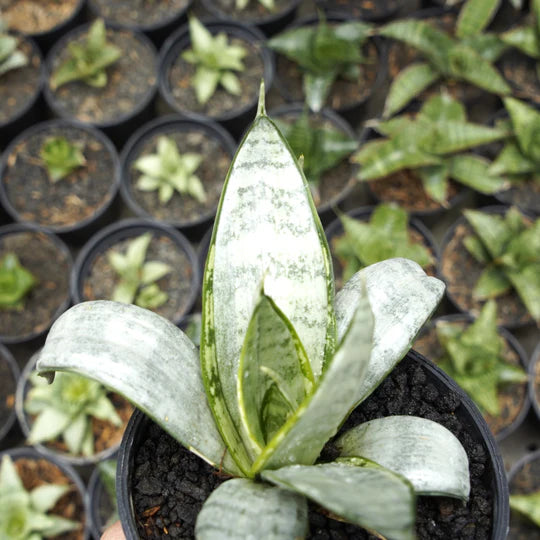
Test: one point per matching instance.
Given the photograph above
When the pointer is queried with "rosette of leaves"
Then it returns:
(168, 170)
(88, 61)
(386, 236)
(527, 505)
(467, 56)
(15, 282)
(215, 61)
(473, 357)
(10, 57)
(25, 514)
(321, 148)
(324, 52)
(137, 277)
(281, 365)
(509, 248)
(61, 157)
(270, 5)
(65, 410)
(434, 144)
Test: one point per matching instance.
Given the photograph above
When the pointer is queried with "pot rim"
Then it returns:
(6, 356)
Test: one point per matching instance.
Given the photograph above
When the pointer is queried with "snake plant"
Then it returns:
(15, 282)
(10, 56)
(61, 157)
(282, 363)
(433, 143)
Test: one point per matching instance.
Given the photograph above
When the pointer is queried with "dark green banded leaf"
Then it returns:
(474, 16)
(523, 38)
(511, 160)
(473, 171)
(526, 124)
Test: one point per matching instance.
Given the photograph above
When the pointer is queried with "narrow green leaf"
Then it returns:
(475, 247)
(526, 282)
(526, 124)
(435, 181)
(46, 496)
(489, 46)
(523, 38)
(491, 229)
(317, 87)
(473, 171)
(511, 160)
(491, 283)
(527, 505)
(474, 16)
(443, 108)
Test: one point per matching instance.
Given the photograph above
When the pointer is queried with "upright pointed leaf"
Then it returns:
(526, 124)
(523, 38)
(511, 160)
(473, 171)
(474, 16)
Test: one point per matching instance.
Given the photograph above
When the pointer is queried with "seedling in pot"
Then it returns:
(324, 53)
(268, 4)
(509, 248)
(26, 514)
(61, 157)
(386, 236)
(281, 365)
(10, 57)
(138, 278)
(433, 143)
(15, 282)
(168, 170)
(527, 505)
(215, 61)
(88, 61)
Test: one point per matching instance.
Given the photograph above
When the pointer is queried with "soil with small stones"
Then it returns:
(461, 271)
(143, 13)
(7, 391)
(51, 267)
(130, 80)
(521, 74)
(38, 472)
(170, 484)
(180, 76)
(182, 209)
(36, 16)
(19, 87)
(524, 194)
(252, 12)
(344, 92)
(69, 201)
(101, 279)
(512, 397)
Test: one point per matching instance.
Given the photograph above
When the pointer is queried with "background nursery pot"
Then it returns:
(76, 205)
(534, 381)
(100, 506)
(182, 211)
(9, 375)
(94, 278)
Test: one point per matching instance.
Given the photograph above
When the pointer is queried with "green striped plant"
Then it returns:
(434, 143)
(15, 282)
(10, 56)
(282, 363)
(467, 56)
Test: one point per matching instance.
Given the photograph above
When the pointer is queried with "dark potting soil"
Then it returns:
(253, 11)
(183, 208)
(7, 391)
(170, 484)
(129, 81)
(181, 74)
(68, 201)
(36, 16)
(18, 87)
(51, 267)
(521, 74)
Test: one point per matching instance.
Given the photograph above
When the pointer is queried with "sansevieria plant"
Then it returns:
(282, 364)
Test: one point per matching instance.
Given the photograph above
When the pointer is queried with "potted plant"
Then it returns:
(61, 175)
(9, 375)
(168, 152)
(311, 361)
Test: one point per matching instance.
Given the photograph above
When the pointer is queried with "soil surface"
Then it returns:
(521, 74)
(51, 267)
(253, 11)
(7, 391)
(129, 82)
(68, 201)
(36, 16)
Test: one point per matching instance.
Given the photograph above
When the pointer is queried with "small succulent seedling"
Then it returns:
(268, 4)
(468, 56)
(65, 410)
(509, 249)
(137, 283)
(87, 61)
(473, 357)
(15, 282)
(61, 157)
(433, 143)
(215, 62)
(282, 363)
(324, 52)
(10, 57)
(527, 505)
(168, 170)
(386, 236)
(25, 514)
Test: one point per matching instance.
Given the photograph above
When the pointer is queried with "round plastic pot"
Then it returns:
(268, 24)
(83, 229)
(468, 414)
(165, 126)
(234, 121)
(124, 230)
(68, 470)
(97, 498)
(352, 10)
(121, 127)
(7, 358)
(534, 381)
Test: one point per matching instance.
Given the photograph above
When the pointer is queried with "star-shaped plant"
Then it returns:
(138, 278)
(15, 282)
(282, 364)
(61, 157)
(10, 57)
(168, 170)
(25, 515)
(215, 61)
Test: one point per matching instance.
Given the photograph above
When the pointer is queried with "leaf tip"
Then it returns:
(261, 107)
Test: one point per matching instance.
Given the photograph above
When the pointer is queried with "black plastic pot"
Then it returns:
(81, 230)
(11, 371)
(98, 502)
(234, 121)
(123, 230)
(381, 14)
(534, 381)
(467, 412)
(268, 24)
(122, 126)
(67, 470)
(166, 126)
